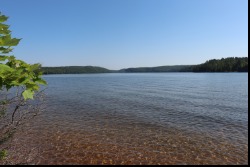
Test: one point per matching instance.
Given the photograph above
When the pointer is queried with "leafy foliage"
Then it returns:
(13, 72)
(19, 82)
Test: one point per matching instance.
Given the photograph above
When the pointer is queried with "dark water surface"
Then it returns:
(154, 118)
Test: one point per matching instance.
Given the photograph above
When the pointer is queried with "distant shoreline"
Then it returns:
(140, 73)
(231, 64)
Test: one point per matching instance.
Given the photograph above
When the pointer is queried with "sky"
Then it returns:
(118, 34)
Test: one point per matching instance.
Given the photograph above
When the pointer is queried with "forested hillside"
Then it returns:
(74, 70)
(231, 64)
(176, 68)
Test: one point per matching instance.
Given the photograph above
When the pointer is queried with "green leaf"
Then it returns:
(32, 86)
(28, 94)
(4, 67)
(3, 58)
(23, 80)
(42, 82)
(3, 18)
(8, 41)
(5, 50)
(4, 29)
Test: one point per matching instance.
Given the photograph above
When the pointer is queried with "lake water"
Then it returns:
(153, 118)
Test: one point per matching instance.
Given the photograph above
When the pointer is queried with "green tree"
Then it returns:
(17, 75)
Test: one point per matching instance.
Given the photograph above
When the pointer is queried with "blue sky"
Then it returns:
(118, 34)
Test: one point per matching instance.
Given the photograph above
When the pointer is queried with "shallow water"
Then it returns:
(154, 118)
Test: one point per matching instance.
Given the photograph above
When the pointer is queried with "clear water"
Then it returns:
(153, 118)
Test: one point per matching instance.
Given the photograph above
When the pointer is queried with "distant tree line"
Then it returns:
(231, 64)
(74, 70)
(176, 68)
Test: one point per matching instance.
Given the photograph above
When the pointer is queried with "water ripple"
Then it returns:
(167, 118)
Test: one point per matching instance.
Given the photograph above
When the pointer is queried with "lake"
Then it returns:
(142, 118)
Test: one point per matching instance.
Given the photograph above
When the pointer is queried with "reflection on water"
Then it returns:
(168, 118)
